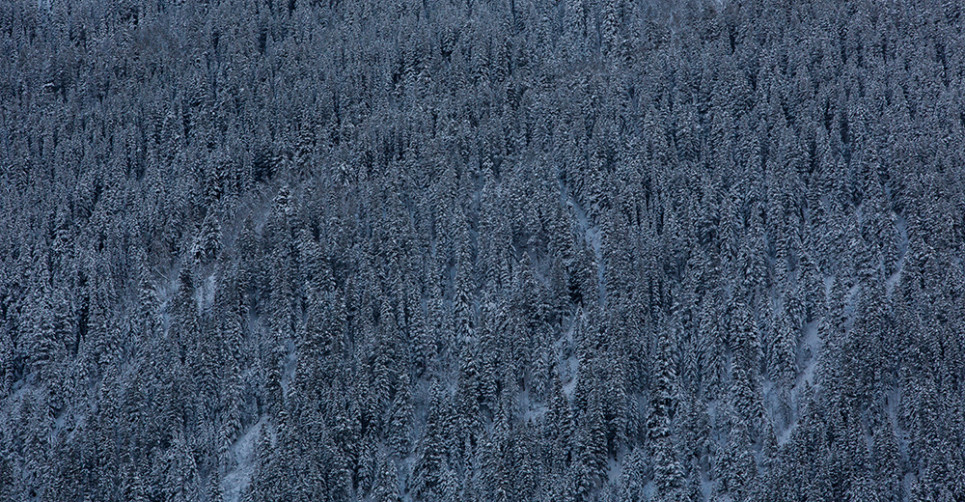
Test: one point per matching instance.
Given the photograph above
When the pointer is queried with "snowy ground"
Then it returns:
(235, 482)
(593, 236)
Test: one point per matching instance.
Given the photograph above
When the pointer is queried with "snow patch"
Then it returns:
(812, 345)
(288, 371)
(236, 481)
(532, 411)
(895, 277)
(706, 487)
(614, 471)
(164, 293)
(809, 355)
(592, 235)
(204, 293)
(901, 434)
(649, 490)
(569, 367)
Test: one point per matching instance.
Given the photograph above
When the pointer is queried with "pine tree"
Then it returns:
(668, 473)
(593, 460)
(430, 468)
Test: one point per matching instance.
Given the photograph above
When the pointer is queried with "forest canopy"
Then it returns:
(506, 250)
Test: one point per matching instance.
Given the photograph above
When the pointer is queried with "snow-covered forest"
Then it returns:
(482, 250)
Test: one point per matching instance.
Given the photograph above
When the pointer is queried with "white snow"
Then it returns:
(902, 255)
(902, 435)
(614, 471)
(164, 293)
(812, 344)
(706, 486)
(569, 368)
(204, 293)
(809, 356)
(533, 411)
(288, 370)
(649, 490)
(236, 481)
(592, 236)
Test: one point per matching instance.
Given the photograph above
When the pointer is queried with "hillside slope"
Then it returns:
(483, 251)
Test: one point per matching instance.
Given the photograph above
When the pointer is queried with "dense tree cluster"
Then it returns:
(482, 250)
